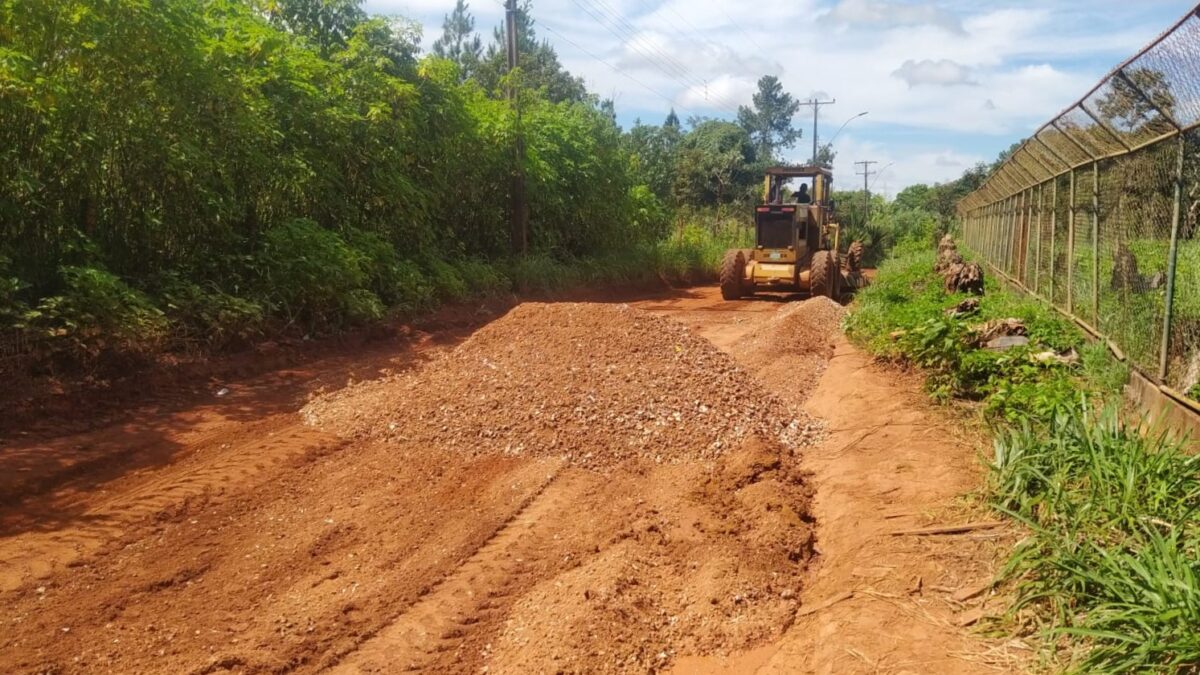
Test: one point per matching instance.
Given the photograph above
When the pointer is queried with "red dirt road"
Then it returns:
(227, 536)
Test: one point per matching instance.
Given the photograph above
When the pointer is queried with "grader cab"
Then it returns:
(797, 240)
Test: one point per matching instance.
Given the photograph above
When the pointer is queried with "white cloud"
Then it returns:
(883, 14)
(1027, 59)
(943, 72)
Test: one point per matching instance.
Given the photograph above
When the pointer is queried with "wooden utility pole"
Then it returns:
(816, 106)
(866, 174)
(518, 208)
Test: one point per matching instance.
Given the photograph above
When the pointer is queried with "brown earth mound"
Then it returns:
(789, 352)
(593, 383)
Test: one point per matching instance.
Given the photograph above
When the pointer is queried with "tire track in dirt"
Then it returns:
(473, 594)
(217, 466)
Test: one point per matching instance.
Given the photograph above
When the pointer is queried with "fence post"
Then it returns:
(1009, 262)
(1037, 252)
(1164, 356)
(1026, 240)
(1096, 245)
(1071, 249)
(1053, 235)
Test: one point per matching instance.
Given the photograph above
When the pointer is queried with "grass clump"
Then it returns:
(1113, 562)
(1110, 573)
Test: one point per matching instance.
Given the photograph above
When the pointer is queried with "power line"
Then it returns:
(626, 32)
(866, 174)
(761, 49)
(611, 66)
(816, 106)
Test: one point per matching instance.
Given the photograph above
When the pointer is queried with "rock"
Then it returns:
(1007, 342)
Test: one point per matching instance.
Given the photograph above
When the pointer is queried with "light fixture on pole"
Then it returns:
(835, 134)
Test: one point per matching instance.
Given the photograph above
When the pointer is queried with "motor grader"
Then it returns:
(796, 243)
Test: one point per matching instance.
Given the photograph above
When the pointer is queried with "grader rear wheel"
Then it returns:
(854, 256)
(825, 275)
(733, 271)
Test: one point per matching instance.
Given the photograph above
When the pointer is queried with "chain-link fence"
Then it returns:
(1096, 213)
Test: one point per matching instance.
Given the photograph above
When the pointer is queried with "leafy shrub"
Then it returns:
(12, 308)
(482, 278)
(95, 314)
(310, 275)
(448, 284)
(206, 316)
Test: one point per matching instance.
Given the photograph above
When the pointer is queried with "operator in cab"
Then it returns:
(802, 196)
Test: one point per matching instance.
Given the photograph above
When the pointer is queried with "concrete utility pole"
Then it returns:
(816, 106)
(866, 174)
(520, 213)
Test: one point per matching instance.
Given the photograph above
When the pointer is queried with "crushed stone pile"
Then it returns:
(595, 383)
(790, 352)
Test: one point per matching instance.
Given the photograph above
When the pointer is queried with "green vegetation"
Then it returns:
(190, 175)
(902, 316)
(1110, 574)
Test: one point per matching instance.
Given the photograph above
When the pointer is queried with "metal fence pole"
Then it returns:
(1053, 236)
(1009, 262)
(1096, 244)
(1026, 236)
(1037, 251)
(1172, 256)
(1071, 249)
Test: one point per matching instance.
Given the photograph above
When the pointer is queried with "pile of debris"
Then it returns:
(960, 276)
(790, 352)
(594, 383)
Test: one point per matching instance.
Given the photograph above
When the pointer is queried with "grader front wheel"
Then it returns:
(733, 271)
(825, 275)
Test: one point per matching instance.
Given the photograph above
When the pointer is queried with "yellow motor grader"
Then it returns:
(796, 242)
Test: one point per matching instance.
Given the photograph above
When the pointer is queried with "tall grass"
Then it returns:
(1110, 573)
(1113, 561)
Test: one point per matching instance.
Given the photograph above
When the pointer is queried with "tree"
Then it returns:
(769, 123)
(1135, 99)
(672, 120)
(540, 68)
(328, 24)
(459, 41)
(716, 164)
(826, 155)
(654, 152)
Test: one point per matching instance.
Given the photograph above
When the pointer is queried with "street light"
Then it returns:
(835, 134)
(880, 172)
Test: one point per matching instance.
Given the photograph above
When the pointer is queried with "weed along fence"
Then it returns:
(1096, 213)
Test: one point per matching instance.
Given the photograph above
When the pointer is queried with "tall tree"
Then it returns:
(654, 151)
(715, 164)
(326, 23)
(459, 41)
(825, 155)
(769, 122)
(672, 120)
(540, 67)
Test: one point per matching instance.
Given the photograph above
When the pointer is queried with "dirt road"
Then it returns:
(226, 534)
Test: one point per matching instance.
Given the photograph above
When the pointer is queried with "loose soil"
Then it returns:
(571, 487)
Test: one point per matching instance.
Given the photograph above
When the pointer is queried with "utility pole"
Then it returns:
(866, 174)
(519, 210)
(816, 106)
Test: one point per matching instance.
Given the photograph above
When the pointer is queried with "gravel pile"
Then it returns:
(790, 352)
(595, 383)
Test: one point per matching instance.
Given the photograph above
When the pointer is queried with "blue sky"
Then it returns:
(945, 84)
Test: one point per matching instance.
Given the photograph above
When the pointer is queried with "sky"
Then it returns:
(945, 84)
